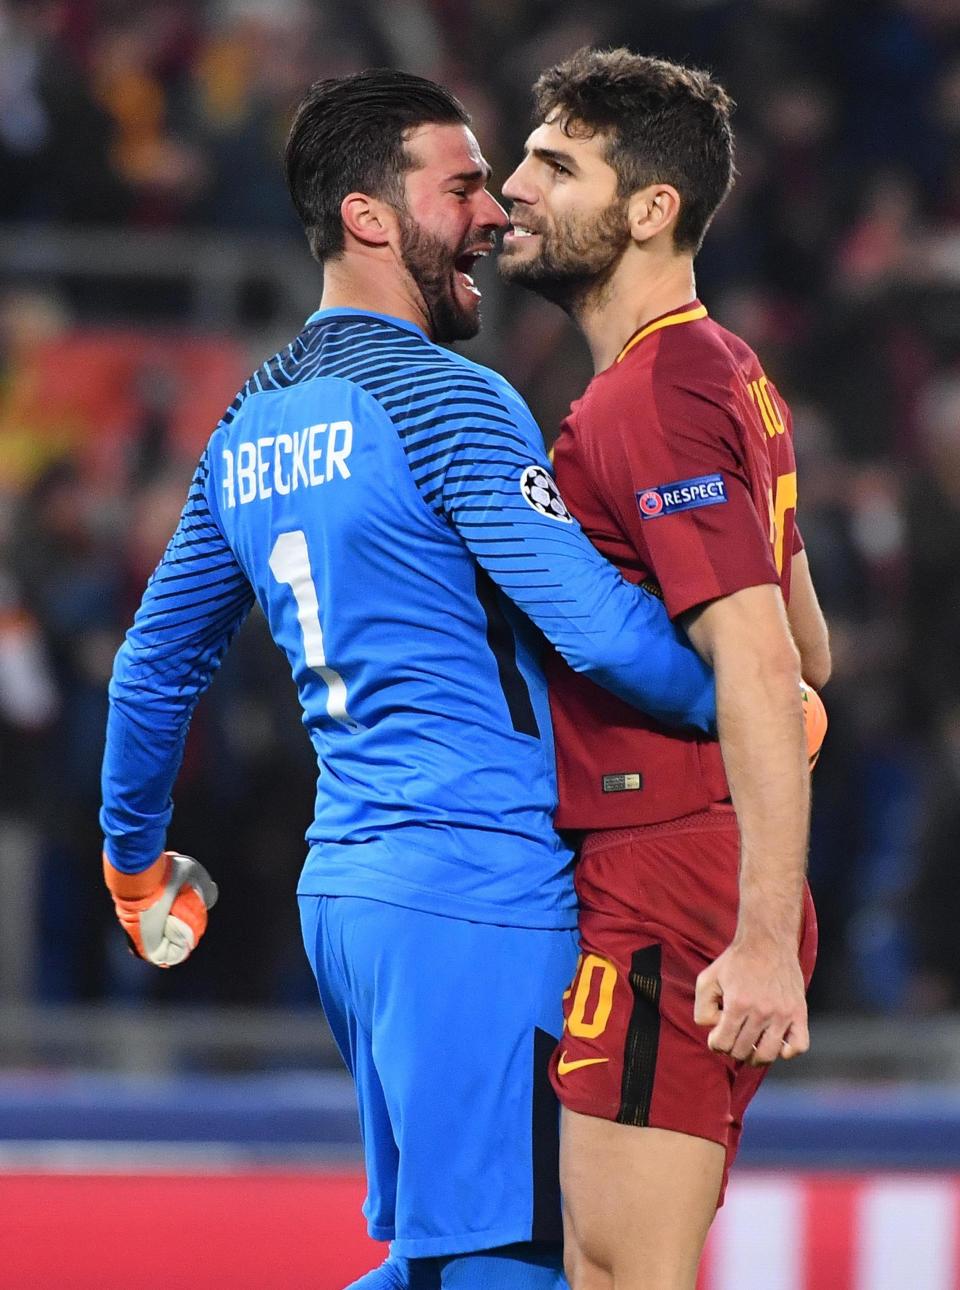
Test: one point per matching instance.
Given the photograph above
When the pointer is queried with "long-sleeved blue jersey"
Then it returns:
(389, 505)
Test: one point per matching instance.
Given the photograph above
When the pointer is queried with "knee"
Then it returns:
(584, 1275)
(582, 1272)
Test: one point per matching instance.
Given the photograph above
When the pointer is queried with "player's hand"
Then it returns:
(752, 997)
(163, 909)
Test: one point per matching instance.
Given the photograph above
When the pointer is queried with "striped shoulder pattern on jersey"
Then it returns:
(432, 397)
(198, 593)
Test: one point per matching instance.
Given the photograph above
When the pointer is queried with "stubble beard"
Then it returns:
(576, 259)
(430, 263)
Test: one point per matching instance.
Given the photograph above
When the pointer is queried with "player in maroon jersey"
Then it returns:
(679, 464)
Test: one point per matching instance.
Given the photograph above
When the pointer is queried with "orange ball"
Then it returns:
(815, 720)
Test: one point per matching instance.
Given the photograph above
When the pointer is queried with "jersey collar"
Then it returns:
(688, 313)
(345, 311)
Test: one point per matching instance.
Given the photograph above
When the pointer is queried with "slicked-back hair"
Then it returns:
(666, 124)
(348, 136)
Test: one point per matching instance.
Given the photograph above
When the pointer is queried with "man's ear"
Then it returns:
(367, 219)
(652, 210)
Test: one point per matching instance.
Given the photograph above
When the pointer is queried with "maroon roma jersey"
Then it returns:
(678, 462)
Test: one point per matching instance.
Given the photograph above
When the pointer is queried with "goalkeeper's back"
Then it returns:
(377, 495)
(425, 706)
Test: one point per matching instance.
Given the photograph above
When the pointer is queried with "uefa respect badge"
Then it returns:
(683, 495)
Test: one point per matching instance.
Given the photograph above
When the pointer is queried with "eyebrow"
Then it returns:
(472, 176)
(553, 154)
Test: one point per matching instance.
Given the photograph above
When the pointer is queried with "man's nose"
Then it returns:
(517, 189)
(492, 214)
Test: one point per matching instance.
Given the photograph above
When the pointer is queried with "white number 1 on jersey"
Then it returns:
(290, 564)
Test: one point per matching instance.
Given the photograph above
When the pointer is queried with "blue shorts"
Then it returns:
(447, 1027)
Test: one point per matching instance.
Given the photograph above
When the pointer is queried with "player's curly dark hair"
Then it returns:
(666, 124)
(347, 136)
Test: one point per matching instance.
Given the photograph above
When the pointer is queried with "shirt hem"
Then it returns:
(446, 906)
(421, 1247)
(720, 816)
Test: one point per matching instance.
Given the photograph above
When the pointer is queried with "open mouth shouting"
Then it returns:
(463, 266)
(444, 276)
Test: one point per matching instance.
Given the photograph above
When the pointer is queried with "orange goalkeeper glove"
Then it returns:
(815, 721)
(163, 909)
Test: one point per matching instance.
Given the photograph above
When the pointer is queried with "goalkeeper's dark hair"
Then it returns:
(666, 124)
(348, 136)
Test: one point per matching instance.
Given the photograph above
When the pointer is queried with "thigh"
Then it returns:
(638, 1203)
(463, 1018)
(350, 1020)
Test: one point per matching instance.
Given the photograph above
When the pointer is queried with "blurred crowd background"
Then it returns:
(149, 257)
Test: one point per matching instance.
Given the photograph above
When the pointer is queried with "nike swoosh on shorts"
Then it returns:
(564, 1067)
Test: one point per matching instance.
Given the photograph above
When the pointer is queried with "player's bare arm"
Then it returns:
(808, 625)
(752, 996)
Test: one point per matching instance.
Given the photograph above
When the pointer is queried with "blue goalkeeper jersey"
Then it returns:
(389, 505)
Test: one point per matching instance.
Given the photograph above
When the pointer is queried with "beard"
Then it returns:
(576, 259)
(431, 264)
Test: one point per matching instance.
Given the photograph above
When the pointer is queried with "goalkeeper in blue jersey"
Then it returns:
(389, 506)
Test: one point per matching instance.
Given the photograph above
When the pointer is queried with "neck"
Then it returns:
(371, 282)
(640, 290)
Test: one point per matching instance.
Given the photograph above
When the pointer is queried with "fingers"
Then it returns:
(778, 1043)
(190, 910)
(796, 1040)
(182, 928)
(712, 1008)
(768, 1047)
(708, 1000)
(745, 1032)
(734, 1034)
(760, 1040)
(177, 944)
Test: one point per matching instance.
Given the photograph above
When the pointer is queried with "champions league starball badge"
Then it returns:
(540, 491)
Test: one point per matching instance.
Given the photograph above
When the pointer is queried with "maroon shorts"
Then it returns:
(657, 905)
